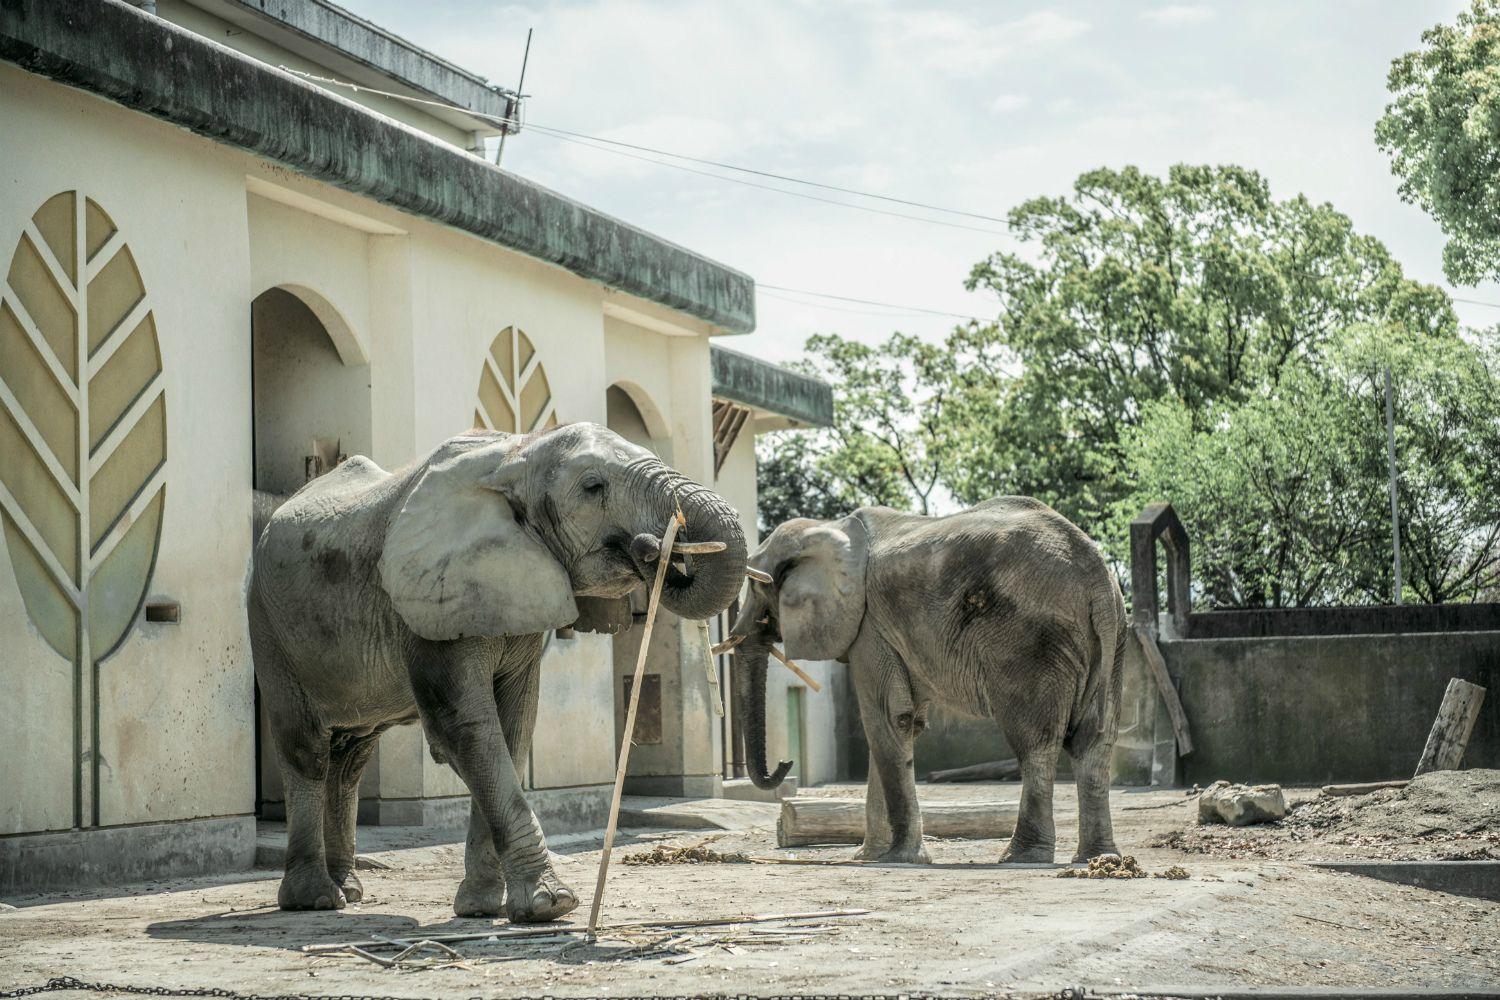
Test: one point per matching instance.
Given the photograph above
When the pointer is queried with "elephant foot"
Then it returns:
(869, 852)
(351, 886)
(1026, 854)
(479, 898)
(309, 889)
(1087, 854)
(536, 901)
(892, 854)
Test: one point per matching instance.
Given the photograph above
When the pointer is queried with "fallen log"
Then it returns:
(994, 770)
(1452, 727)
(808, 821)
(1362, 788)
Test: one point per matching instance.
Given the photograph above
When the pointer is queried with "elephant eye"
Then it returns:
(594, 485)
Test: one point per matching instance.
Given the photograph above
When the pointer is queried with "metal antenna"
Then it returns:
(500, 150)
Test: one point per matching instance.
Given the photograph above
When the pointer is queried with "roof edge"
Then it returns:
(761, 385)
(146, 64)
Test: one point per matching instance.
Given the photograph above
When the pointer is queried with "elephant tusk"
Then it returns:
(727, 644)
(698, 548)
(758, 575)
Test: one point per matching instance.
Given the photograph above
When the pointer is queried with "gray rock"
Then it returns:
(1240, 805)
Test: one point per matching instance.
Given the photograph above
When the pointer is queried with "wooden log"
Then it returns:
(994, 770)
(803, 674)
(1362, 788)
(1452, 727)
(1157, 665)
(808, 821)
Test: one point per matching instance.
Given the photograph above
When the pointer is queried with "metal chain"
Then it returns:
(69, 983)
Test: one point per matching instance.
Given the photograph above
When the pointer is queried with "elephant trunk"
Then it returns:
(714, 578)
(750, 709)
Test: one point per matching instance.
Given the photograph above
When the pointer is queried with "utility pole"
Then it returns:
(1390, 454)
(516, 124)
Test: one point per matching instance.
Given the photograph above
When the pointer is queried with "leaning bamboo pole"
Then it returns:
(665, 558)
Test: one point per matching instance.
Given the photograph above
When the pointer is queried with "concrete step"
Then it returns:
(744, 790)
(642, 812)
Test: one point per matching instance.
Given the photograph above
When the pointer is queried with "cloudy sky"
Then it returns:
(970, 106)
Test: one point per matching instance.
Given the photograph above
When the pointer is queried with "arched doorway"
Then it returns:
(310, 393)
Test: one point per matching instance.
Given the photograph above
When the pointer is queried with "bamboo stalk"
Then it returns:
(673, 523)
(806, 678)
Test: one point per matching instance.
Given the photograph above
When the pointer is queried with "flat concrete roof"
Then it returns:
(368, 54)
(761, 385)
(146, 64)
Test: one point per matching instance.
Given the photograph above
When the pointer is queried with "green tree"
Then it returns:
(1285, 494)
(889, 408)
(1442, 132)
(1198, 289)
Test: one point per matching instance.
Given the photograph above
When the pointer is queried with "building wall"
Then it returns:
(174, 739)
(411, 310)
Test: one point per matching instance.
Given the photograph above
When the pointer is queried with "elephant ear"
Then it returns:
(821, 594)
(610, 615)
(458, 562)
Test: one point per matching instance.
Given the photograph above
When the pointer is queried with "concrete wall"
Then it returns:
(1317, 709)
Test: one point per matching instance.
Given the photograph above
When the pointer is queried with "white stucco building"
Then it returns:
(220, 278)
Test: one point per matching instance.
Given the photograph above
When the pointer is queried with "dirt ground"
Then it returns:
(1441, 816)
(961, 926)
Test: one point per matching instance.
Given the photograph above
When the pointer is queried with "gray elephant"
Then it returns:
(379, 599)
(1005, 610)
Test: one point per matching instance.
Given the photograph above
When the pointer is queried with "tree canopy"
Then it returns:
(1194, 339)
(1442, 131)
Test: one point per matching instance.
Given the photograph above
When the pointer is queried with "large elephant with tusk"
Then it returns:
(1005, 610)
(379, 599)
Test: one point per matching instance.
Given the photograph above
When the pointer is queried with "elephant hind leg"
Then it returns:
(1035, 837)
(347, 760)
(305, 885)
(1091, 767)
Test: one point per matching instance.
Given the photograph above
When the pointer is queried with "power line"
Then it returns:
(593, 142)
(549, 133)
(871, 302)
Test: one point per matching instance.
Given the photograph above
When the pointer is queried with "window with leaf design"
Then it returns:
(514, 394)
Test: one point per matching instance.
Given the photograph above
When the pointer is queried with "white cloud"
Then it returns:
(1178, 13)
(1006, 103)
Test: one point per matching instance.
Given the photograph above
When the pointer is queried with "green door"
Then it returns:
(794, 741)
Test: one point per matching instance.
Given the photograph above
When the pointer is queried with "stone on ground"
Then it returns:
(1240, 805)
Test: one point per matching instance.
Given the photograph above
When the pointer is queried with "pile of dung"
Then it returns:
(1107, 866)
(1440, 816)
(700, 854)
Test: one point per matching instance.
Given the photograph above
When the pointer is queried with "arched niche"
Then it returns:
(631, 413)
(311, 385)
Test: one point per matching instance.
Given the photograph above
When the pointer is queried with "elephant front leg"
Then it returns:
(506, 861)
(893, 819)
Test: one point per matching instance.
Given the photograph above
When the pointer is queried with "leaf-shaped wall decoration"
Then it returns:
(83, 431)
(514, 394)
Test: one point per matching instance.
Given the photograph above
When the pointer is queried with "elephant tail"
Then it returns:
(1097, 709)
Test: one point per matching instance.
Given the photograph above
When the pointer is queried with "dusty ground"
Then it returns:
(1442, 816)
(958, 927)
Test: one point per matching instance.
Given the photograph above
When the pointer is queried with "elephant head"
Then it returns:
(807, 590)
(499, 534)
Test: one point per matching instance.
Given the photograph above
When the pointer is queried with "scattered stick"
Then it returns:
(1452, 727)
(668, 536)
(806, 678)
(1330, 923)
